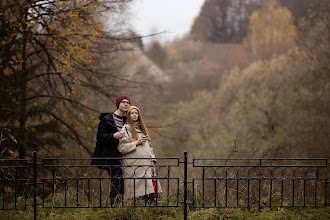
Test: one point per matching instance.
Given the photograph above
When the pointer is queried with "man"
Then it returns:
(108, 136)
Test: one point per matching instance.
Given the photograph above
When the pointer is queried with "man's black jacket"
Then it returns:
(106, 144)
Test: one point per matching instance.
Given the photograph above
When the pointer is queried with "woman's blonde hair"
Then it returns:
(131, 123)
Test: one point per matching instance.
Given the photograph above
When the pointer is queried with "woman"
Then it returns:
(136, 145)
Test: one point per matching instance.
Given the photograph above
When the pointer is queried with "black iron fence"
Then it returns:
(200, 183)
(269, 182)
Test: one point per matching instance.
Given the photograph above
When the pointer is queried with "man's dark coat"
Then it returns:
(106, 144)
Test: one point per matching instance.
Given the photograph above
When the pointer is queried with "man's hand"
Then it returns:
(118, 135)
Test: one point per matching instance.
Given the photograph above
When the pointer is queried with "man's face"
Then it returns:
(124, 105)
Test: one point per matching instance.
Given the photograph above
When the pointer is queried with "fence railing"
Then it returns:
(269, 182)
(74, 179)
(201, 183)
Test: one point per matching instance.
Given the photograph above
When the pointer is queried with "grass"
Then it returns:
(168, 213)
(153, 213)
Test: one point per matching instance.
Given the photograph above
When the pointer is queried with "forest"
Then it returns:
(263, 91)
(250, 79)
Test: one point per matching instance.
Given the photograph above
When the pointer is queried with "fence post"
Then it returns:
(185, 192)
(326, 183)
(35, 184)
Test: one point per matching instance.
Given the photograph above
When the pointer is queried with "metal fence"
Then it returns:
(199, 183)
(269, 182)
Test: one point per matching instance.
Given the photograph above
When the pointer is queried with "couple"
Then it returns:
(122, 135)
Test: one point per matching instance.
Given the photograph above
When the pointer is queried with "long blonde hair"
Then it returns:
(130, 122)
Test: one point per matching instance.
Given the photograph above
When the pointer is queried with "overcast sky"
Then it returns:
(172, 16)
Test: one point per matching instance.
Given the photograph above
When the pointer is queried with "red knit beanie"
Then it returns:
(120, 98)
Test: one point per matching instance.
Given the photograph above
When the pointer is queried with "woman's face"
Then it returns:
(134, 114)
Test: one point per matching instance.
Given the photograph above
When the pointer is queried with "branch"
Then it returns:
(62, 98)
(75, 133)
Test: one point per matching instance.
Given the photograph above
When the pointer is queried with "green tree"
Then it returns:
(222, 21)
(157, 54)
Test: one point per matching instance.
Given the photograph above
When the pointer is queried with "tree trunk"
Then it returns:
(23, 86)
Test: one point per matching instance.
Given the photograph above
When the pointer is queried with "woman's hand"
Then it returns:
(141, 140)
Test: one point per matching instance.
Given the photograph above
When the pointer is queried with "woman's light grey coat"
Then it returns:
(136, 170)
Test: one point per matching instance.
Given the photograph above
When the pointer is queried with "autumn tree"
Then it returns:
(280, 101)
(274, 102)
(50, 58)
(314, 36)
(271, 29)
(222, 21)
